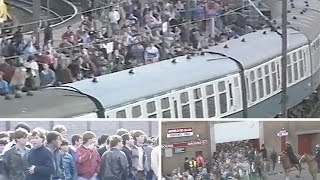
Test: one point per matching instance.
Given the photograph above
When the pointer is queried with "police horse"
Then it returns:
(287, 165)
(312, 165)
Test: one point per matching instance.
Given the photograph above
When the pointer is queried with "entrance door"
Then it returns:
(304, 144)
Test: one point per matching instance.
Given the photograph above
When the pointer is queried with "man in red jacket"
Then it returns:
(88, 158)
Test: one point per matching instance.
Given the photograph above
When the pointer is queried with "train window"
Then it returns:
(152, 116)
(294, 56)
(209, 90)
(274, 82)
(211, 107)
(301, 67)
(259, 73)
(295, 68)
(230, 90)
(221, 86)
(121, 114)
(266, 69)
(273, 66)
(268, 88)
(199, 109)
(151, 107)
(236, 82)
(247, 86)
(223, 103)
(260, 82)
(288, 59)
(186, 111)
(289, 74)
(252, 75)
(166, 114)
(253, 92)
(197, 93)
(184, 97)
(136, 111)
(305, 60)
(300, 54)
(165, 103)
(175, 104)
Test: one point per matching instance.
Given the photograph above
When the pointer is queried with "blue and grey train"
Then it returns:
(236, 78)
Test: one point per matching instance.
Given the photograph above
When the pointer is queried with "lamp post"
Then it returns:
(284, 98)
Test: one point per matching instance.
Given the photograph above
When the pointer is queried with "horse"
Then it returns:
(312, 165)
(286, 164)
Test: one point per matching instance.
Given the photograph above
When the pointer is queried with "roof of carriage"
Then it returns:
(118, 88)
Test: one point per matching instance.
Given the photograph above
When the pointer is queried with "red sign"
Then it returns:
(186, 144)
(179, 130)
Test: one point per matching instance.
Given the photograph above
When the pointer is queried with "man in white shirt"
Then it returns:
(139, 157)
(13, 142)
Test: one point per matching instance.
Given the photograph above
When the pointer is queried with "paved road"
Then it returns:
(278, 174)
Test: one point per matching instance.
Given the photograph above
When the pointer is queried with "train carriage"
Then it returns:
(238, 78)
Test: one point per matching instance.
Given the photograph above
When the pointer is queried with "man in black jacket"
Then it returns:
(114, 164)
(289, 151)
(128, 144)
(264, 152)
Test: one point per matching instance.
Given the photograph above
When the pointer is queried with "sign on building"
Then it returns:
(283, 133)
(179, 132)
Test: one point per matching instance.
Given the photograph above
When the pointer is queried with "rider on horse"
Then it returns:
(289, 151)
(317, 158)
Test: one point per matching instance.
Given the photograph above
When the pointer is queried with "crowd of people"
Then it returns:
(38, 154)
(234, 160)
(131, 34)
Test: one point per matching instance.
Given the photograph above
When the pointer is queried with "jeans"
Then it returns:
(273, 164)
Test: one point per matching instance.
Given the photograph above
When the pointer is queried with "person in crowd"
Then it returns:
(155, 158)
(13, 142)
(273, 157)
(128, 144)
(88, 158)
(69, 164)
(16, 159)
(114, 161)
(76, 141)
(40, 164)
(139, 156)
(103, 144)
(54, 143)
(4, 86)
(264, 152)
(61, 129)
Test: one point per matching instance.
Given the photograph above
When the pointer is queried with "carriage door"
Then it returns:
(305, 144)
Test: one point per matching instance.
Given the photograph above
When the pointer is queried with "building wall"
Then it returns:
(98, 127)
(177, 160)
(295, 128)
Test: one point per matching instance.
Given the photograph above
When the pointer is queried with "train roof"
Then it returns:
(46, 103)
(119, 88)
